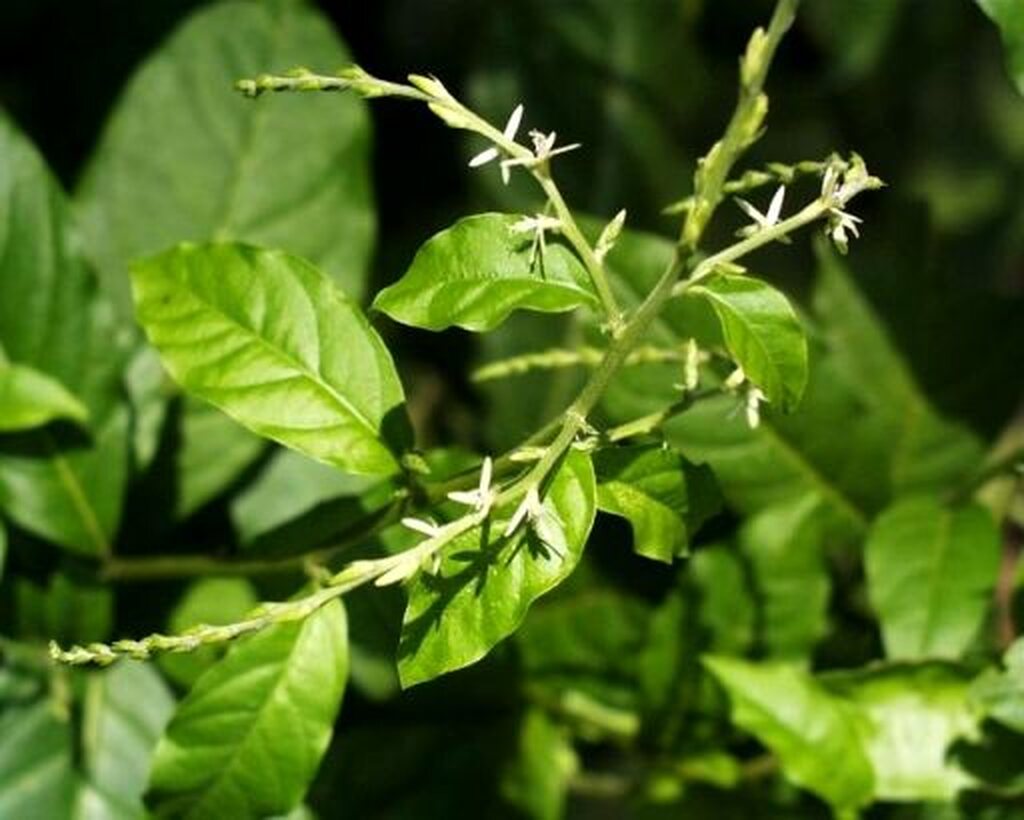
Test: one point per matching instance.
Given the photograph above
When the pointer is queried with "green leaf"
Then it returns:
(3, 548)
(48, 771)
(248, 739)
(30, 399)
(914, 714)
(214, 601)
(815, 735)
(727, 608)
(785, 546)
(267, 338)
(930, 572)
(475, 273)
(1009, 16)
(289, 486)
(486, 582)
(999, 693)
(536, 780)
(186, 157)
(213, 451)
(57, 483)
(647, 486)
(762, 334)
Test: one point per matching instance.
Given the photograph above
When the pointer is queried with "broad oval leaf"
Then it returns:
(271, 341)
(475, 273)
(815, 735)
(61, 485)
(248, 738)
(184, 157)
(930, 571)
(486, 582)
(762, 333)
(649, 487)
(29, 398)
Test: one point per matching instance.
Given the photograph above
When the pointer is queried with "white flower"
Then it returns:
(839, 222)
(762, 221)
(753, 406)
(427, 528)
(692, 367)
(482, 497)
(530, 508)
(538, 224)
(736, 378)
(543, 150)
(509, 132)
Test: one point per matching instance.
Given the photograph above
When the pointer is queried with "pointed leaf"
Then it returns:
(815, 735)
(486, 582)
(1009, 16)
(267, 338)
(29, 398)
(57, 484)
(762, 333)
(475, 273)
(185, 157)
(248, 738)
(931, 570)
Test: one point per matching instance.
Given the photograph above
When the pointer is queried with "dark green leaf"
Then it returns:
(475, 273)
(930, 573)
(727, 609)
(268, 339)
(248, 739)
(762, 333)
(29, 399)
(486, 582)
(57, 484)
(1009, 16)
(815, 735)
(186, 157)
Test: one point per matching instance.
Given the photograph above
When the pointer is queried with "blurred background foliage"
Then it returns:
(919, 87)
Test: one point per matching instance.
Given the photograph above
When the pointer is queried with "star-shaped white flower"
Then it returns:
(538, 225)
(483, 496)
(752, 407)
(509, 132)
(760, 220)
(543, 150)
(530, 509)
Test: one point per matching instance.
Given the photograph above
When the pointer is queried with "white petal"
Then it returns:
(563, 149)
(506, 172)
(517, 517)
(751, 211)
(485, 474)
(421, 526)
(775, 208)
(483, 157)
(512, 126)
(468, 497)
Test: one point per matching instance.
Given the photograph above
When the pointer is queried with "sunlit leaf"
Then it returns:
(474, 274)
(29, 398)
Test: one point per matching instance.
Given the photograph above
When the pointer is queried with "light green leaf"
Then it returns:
(212, 601)
(1009, 16)
(186, 157)
(815, 735)
(647, 486)
(3, 548)
(930, 572)
(785, 546)
(762, 333)
(999, 693)
(486, 582)
(30, 399)
(57, 484)
(914, 714)
(248, 738)
(475, 273)
(267, 338)
(36, 776)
